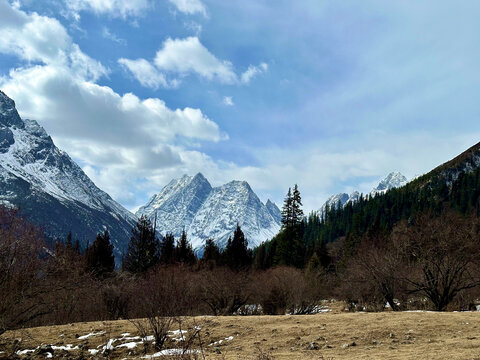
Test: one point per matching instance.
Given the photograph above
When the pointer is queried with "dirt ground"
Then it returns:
(329, 335)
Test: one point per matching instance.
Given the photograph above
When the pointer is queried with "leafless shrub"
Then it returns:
(442, 256)
(223, 290)
(286, 289)
(373, 277)
(23, 272)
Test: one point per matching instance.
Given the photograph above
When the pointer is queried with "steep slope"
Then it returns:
(392, 180)
(274, 210)
(50, 189)
(227, 205)
(204, 212)
(467, 161)
(177, 204)
(334, 201)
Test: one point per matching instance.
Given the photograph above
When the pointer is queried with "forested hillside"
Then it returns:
(454, 185)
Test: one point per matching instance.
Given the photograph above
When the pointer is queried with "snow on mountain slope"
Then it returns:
(49, 187)
(204, 212)
(177, 204)
(274, 210)
(392, 180)
(338, 200)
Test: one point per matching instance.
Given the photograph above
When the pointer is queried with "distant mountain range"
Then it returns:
(392, 180)
(53, 192)
(50, 189)
(191, 203)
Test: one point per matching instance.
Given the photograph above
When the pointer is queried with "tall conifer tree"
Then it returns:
(99, 256)
(143, 249)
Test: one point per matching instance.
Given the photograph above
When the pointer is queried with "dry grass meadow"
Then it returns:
(332, 335)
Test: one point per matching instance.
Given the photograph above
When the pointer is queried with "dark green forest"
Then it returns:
(306, 240)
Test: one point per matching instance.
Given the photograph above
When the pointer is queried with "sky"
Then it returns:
(330, 95)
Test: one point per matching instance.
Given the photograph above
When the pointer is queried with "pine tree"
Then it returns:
(143, 249)
(290, 248)
(99, 257)
(167, 249)
(211, 255)
(184, 252)
(287, 210)
(237, 255)
(297, 212)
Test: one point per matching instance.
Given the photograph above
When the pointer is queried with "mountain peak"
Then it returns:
(43, 181)
(205, 212)
(392, 180)
(8, 113)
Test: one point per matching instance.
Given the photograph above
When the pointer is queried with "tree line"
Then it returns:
(411, 248)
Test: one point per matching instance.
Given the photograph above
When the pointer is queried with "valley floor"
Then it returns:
(331, 335)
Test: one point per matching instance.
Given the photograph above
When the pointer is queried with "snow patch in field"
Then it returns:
(170, 352)
(129, 345)
(90, 335)
(219, 342)
(68, 347)
(24, 352)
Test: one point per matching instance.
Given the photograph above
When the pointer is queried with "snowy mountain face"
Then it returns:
(204, 212)
(339, 200)
(392, 180)
(50, 189)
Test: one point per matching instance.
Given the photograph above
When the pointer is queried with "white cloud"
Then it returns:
(114, 8)
(253, 71)
(36, 38)
(228, 101)
(107, 34)
(190, 6)
(146, 74)
(188, 55)
(121, 141)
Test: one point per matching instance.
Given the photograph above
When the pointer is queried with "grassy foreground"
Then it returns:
(333, 335)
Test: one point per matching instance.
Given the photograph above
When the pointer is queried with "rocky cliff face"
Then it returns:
(49, 188)
(204, 212)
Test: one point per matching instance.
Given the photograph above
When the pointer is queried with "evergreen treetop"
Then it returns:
(143, 249)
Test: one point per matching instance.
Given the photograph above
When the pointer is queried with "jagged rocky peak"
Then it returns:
(337, 200)
(50, 189)
(8, 113)
(274, 210)
(392, 180)
(191, 203)
(177, 203)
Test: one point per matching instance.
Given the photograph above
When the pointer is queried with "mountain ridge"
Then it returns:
(191, 203)
(392, 180)
(50, 189)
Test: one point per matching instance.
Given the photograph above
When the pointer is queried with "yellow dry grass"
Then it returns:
(334, 335)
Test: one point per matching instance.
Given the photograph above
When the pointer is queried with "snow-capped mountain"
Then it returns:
(392, 180)
(204, 212)
(335, 201)
(49, 188)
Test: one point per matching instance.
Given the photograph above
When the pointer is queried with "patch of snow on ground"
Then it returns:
(24, 352)
(91, 334)
(170, 352)
(68, 347)
(219, 342)
(129, 345)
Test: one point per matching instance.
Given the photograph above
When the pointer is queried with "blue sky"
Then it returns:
(332, 95)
